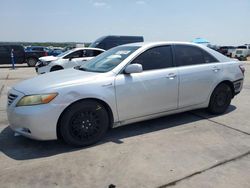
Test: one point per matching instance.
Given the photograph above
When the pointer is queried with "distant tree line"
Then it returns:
(46, 44)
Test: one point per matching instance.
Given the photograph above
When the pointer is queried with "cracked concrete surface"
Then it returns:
(192, 149)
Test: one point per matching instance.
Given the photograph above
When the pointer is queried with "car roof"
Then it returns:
(145, 45)
(36, 47)
(142, 44)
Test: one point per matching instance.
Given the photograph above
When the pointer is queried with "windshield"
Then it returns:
(108, 60)
(95, 43)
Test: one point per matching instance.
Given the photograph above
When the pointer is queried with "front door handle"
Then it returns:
(171, 76)
(216, 69)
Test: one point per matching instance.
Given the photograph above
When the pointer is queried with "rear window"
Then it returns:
(113, 41)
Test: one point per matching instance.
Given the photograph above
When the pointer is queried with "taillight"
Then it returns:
(242, 68)
(45, 53)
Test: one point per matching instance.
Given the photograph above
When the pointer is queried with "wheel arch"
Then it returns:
(32, 57)
(227, 82)
(56, 66)
(105, 104)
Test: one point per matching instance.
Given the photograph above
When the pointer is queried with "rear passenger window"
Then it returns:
(188, 55)
(155, 58)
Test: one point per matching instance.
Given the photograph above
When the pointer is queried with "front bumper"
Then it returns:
(37, 122)
(41, 68)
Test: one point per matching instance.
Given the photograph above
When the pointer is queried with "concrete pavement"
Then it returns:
(192, 149)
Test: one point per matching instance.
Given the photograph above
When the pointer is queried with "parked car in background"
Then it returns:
(107, 42)
(33, 53)
(125, 84)
(227, 50)
(5, 54)
(68, 59)
(241, 53)
(55, 51)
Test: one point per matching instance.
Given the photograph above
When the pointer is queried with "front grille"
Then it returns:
(11, 98)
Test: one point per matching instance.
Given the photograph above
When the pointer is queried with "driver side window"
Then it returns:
(76, 54)
(155, 58)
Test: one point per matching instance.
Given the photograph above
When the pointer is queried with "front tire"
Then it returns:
(220, 99)
(84, 123)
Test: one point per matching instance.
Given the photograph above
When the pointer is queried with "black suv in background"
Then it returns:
(33, 53)
(111, 41)
(5, 54)
(21, 55)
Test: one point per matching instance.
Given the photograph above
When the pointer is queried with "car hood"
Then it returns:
(48, 58)
(50, 82)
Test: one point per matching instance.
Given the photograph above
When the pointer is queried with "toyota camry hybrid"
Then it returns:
(125, 84)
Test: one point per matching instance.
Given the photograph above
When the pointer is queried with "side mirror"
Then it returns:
(133, 68)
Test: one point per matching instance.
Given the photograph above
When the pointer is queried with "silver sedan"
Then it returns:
(126, 84)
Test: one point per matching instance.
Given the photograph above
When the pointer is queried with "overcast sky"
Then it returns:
(220, 21)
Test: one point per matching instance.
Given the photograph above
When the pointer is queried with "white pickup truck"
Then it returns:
(242, 52)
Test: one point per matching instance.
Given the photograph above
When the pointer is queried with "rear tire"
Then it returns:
(84, 123)
(32, 61)
(220, 99)
(56, 68)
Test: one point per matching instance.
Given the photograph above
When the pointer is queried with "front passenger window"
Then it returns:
(155, 58)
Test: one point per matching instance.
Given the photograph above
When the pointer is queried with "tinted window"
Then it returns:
(37, 49)
(18, 50)
(3, 50)
(188, 55)
(97, 52)
(108, 42)
(93, 53)
(112, 43)
(155, 58)
(208, 58)
(75, 54)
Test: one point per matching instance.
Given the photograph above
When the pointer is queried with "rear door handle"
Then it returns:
(171, 76)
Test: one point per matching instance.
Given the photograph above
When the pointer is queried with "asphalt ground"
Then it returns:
(191, 149)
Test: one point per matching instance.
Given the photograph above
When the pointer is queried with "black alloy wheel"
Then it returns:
(220, 99)
(84, 123)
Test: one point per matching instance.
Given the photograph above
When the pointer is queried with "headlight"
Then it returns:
(36, 99)
(46, 62)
